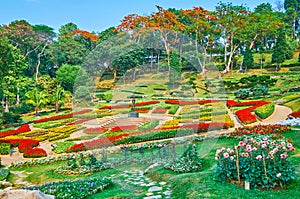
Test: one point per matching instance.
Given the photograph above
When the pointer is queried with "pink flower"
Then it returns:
(292, 149)
(283, 156)
(248, 150)
(228, 150)
(265, 138)
(218, 152)
(231, 152)
(241, 143)
(259, 157)
(226, 155)
(263, 146)
(231, 158)
(278, 175)
(251, 139)
(289, 145)
(282, 143)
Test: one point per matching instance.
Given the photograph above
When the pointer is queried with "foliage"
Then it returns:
(60, 147)
(73, 167)
(4, 148)
(265, 111)
(148, 125)
(280, 50)
(10, 118)
(73, 189)
(4, 174)
(242, 93)
(260, 91)
(248, 61)
(190, 161)
(262, 162)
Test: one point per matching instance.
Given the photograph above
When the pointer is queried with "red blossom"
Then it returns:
(22, 129)
(35, 153)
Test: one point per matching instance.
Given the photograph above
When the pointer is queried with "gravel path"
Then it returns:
(280, 113)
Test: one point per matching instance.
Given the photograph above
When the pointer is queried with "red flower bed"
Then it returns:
(295, 114)
(144, 110)
(204, 127)
(95, 130)
(35, 153)
(101, 142)
(245, 116)
(80, 121)
(160, 110)
(22, 144)
(179, 102)
(183, 103)
(148, 103)
(59, 117)
(22, 129)
(123, 128)
(261, 129)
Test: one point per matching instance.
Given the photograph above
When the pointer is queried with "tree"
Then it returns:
(232, 21)
(59, 96)
(175, 72)
(292, 8)
(248, 61)
(37, 98)
(106, 34)
(280, 50)
(67, 28)
(67, 74)
(12, 64)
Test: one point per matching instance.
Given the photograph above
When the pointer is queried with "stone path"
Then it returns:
(138, 179)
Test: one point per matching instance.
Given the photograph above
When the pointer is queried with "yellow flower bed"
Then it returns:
(171, 123)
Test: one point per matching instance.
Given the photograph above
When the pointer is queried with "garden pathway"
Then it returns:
(280, 113)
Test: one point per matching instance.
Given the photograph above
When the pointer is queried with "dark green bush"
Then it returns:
(10, 118)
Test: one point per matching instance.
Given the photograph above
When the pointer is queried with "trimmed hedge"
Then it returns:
(148, 125)
(265, 111)
(4, 148)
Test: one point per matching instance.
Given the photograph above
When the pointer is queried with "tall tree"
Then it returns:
(59, 96)
(67, 28)
(248, 61)
(232, 21)
(280, 50)
(12, 65)
(292, 8)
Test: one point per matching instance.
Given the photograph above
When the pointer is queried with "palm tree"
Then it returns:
(59, 96)
(37, 98)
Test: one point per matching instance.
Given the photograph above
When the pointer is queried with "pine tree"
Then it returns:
(248, 59)
(280, 50)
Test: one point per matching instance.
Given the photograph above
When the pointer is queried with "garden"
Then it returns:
(156, 107)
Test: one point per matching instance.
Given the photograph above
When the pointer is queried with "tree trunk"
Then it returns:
(39, 62)
(36, 110)
(6, 106)
(18, 98)
(56, 106)
(115, 75)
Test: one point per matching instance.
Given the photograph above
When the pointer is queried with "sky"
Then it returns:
(96, 15)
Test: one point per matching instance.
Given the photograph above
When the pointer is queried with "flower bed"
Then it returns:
(184, 103)
(245, 116)
(73, 189)
(142, 110)
(95, 130)
(59, 117)
(295, 114)
(60, 147)
(262, 162)
(35, 153)
(204, 127)
(148, 125)
(22, 144)
(80, 121)
(123, 128)
(265, 111)
(160, 110)
(260, 129)
(21, 129)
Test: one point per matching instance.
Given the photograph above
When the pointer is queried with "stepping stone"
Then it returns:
(153, 197)
(154, 188)
(167, 193)
(162, 183)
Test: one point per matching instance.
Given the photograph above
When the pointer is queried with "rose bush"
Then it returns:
(263, 162)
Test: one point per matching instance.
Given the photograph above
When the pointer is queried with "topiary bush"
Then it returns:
(265, 111)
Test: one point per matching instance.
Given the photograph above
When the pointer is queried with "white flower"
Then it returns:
(278, 175)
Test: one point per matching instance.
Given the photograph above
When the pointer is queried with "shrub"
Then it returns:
(260, 91)
(10, 118)
(4, 148)
(265, 111)
(61, 147)
(3, 174)
(190, 161)
(242, 93)
(80, 188)
(173, 109)
(35, 153)
(262, 162)
(148, 125)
